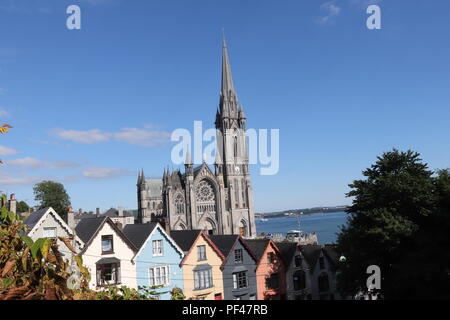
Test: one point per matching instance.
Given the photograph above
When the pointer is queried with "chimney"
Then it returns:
(120, 209)
(97, 211)
(71, 218)
(12, 203)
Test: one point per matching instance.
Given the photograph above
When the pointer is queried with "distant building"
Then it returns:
(218, 201)
(119, 216)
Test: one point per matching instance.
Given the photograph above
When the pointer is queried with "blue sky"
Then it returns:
(91, 107)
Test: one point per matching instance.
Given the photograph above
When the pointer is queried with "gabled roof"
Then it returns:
(257, 246)
(36, 218)
(225, 243)
(138, 233)
(89, 228)
(287, 250)
(311, 254)
(185, 238)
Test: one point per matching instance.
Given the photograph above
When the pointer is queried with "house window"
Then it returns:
(203, 279)
(272, 281)
(157, 247)
(298, 261)
(201, 253)
(324, 284)
(107, 244)
(240, 280)
(238, 256)
(322, 263)
(49, 233)
(299, 280)
(159, 276)
(271, 258)
(108, 274)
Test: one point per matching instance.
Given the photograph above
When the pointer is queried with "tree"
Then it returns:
(52, 194)
(398, 211)
(22, 206)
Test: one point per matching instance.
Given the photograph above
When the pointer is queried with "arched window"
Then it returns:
(235, 146)
(179, 204)
(299, 280)
(324, 284)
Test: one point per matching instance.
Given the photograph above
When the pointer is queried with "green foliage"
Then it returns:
(398, 211)
(52, 194)
(22, 206)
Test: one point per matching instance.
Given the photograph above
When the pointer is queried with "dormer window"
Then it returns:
(107, 244)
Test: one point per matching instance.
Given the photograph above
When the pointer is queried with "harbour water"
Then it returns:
(326, 225)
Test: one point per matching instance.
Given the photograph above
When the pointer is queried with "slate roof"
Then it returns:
(311, 254)
(115, 213)
(35, 216)
(257, 246)
(224, 242)
(138, 233)
(287, 250)
(87, 227)
(185, 238)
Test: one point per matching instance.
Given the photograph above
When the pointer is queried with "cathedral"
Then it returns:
(218, 200)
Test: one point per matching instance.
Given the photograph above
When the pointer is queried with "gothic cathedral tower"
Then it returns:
(219, 202)
(232, 158)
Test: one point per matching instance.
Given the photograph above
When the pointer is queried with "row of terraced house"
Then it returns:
(211, 267)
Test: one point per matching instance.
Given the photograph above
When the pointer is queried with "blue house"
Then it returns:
(158, 257)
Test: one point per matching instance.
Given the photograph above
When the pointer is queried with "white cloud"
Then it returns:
(3, 90)
(331, 10)
(145, 137)
(36, 164)
(104, 173)
(30, 180)
(142, 137)
(5, 151)
(88, 136)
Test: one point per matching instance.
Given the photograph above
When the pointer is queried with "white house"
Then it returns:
(107, 253)
(46, 223)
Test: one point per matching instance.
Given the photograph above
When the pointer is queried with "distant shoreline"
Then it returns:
(301, 212)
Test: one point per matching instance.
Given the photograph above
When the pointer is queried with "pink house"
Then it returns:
(270, 270)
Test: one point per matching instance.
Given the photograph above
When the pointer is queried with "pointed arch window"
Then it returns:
(235, 146)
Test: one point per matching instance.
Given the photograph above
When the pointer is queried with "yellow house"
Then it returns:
(202, 276)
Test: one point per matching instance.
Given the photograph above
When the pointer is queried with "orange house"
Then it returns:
(270, 270)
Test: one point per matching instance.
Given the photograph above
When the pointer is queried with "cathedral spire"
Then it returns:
(227, 78)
